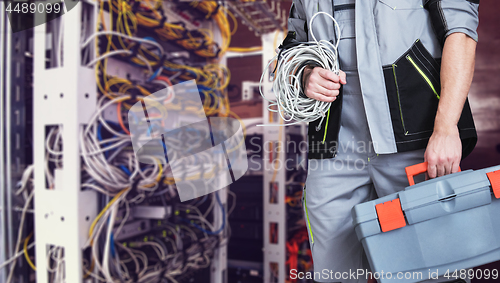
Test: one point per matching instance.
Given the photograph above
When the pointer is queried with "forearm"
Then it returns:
(457, 70)
(444, 149)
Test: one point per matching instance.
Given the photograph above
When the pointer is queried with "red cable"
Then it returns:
(120, 120)
(165, 79)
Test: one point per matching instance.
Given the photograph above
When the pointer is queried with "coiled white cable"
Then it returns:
(287, 86)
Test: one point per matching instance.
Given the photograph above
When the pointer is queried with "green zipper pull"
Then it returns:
(423, 75)
(326, 126)
(307, 218)
(394, 66)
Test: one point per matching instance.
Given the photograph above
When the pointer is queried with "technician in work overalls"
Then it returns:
(408, 68)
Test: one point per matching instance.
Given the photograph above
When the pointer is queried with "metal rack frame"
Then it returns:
(4, 35)
(260, 17)
(275, 253)
(63, 215)
(13, 156)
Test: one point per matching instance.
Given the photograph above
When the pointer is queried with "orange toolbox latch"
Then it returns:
(390, 215)
(494, 178)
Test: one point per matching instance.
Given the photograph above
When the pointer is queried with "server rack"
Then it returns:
(63, 213)
(277, 137)
(15, 137)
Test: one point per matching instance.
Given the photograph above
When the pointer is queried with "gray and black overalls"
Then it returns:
(384, 116)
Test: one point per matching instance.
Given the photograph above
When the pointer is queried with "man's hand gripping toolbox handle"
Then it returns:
(391, 216)
(414, 170)
(417, 169)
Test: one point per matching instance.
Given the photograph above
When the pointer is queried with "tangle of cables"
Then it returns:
(117, 39)
(120, 29)
(291, 103)
(218, 13)
(153, 17)
(173, 247)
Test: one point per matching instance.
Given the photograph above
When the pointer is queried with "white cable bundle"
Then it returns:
(287, 79)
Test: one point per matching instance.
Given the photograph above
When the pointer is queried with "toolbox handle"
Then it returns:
(417, 169)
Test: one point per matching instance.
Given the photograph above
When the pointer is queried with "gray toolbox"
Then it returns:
(434, 227)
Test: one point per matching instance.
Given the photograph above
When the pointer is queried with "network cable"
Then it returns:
(109, 166)
(293, 58)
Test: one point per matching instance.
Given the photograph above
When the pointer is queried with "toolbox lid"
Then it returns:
(445, 195)
(427, 200)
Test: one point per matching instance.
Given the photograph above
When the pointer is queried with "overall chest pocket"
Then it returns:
(403, 4)
(413, 89)
(344, 14)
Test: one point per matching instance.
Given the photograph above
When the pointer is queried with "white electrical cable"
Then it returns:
(109, 54)
(107, 245)
(106, 177)
(287, 86)
(59, 275)
(19, 254)
(90, 38)
(19, 235)
(25, 179)
(59, 54)
(125, 218)
(150, 69)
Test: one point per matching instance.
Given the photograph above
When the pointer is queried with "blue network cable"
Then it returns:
(125, 169)
(99, 137)
(155, 74)
(112, 245)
